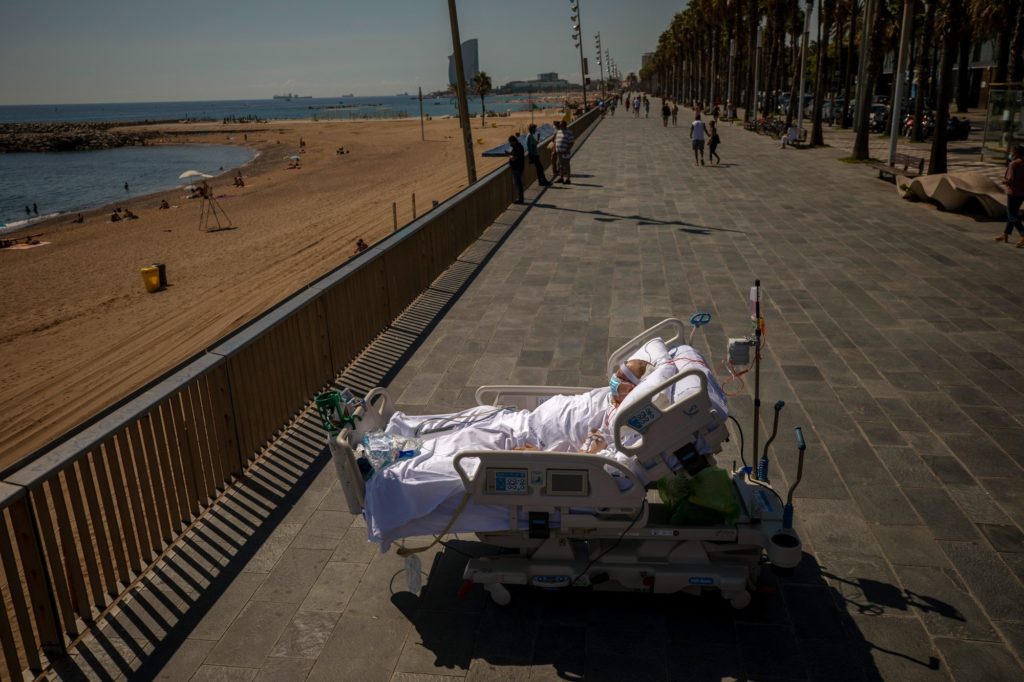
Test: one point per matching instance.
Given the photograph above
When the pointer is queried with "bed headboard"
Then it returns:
(671, 330)
(659, 433)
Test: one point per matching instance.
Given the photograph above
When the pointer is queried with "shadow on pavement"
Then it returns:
(798, 627)
(606, 217)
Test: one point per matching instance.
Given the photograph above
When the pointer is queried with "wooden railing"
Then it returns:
(85, 517)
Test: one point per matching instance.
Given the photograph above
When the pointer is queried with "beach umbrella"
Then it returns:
(192, 175)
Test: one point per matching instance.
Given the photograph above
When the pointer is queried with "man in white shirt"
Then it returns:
(698, 133)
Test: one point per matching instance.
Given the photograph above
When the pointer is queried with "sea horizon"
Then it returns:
(319, 108)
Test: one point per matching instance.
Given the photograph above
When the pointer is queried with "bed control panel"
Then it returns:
(507, 481)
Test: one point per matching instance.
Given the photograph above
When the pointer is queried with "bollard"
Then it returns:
(414, 205)
(434, 203)
(394, 214)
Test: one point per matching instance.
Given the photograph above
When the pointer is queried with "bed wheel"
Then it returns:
(739, 600)
(499, 593)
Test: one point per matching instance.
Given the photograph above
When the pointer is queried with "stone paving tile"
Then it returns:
(284, 669)
(249, 639)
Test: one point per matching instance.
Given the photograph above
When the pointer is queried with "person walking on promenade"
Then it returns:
(564, 140)
(555, 165)
(533, 153)
(665, 113)
(675, 114)
(713, 142)
(647, 107)
(636, 107)
(517, 162)
(698, 132)
(1014, 181)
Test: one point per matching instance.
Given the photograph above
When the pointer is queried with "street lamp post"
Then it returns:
(600, 63)
(895, 108)
(460, 91)
(577, 36)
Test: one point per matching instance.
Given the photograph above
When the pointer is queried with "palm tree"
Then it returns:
(821, 68)
(950, 20)
(482, 87)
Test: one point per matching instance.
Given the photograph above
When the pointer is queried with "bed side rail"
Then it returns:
(664, 430)
(523, 397)
(547, 481)
(373, 414)
(671, 330)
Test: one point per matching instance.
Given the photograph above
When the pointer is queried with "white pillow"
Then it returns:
(657, 354)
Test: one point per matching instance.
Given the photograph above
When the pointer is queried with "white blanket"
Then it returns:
(418, 496)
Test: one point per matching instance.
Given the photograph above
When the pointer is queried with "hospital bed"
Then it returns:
(578, 520)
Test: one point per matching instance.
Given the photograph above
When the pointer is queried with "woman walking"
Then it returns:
(713, 142)
(1014, 181)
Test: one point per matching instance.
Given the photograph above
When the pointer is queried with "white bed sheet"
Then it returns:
(418, 496)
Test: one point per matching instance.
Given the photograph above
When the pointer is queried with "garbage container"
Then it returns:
(151, 278)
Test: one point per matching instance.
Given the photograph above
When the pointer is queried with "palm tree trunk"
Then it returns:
(848, 81)
(921, 75)
(752, 24)
(817, 134)
(963, 74)
(483, 111)
(1003, 54)
(1017, 45)
(871, 43)
(953, 23)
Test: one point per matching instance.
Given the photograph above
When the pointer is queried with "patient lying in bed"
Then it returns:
(400, 497)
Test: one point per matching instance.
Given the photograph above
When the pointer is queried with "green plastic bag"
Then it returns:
(707, 498)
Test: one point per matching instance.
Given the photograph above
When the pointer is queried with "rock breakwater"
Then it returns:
(69, 136)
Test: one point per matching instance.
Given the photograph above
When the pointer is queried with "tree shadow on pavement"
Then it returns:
(606, 217)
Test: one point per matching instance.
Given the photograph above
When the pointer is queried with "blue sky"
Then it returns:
(65, 51)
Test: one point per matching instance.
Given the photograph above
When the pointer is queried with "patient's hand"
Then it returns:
(595, 443)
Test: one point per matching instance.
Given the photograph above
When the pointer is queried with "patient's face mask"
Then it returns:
(614, 384)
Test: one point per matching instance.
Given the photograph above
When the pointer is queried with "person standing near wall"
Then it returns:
(1014, 181)
(675, 114)
(564, 140)
(665, 113)
(517, 162)
(533, 154)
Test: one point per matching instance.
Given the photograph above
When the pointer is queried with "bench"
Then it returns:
(909, 163)
(801, 140)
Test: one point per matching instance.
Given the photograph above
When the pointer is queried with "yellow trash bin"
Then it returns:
(151, 278)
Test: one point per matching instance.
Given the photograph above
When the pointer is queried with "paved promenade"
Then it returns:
(893, 335)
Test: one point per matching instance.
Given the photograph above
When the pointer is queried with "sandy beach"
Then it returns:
(78, 331)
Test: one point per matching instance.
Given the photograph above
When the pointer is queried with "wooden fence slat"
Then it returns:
(214, 421)
(147, 492)
(114, 524)
(123, 486)
(81, 520)
(72, 557)
(7, 643)
(163, 490)
(227, 421)
(194, 432)
(21, 613)
(40, 598)
(56, 568)
(170, 467)
(90, 485)
(174, 420)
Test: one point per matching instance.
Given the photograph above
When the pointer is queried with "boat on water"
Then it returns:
(348, 95)
(290, 96)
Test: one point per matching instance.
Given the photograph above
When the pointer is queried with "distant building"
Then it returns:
(470, 62)
(545, 82)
